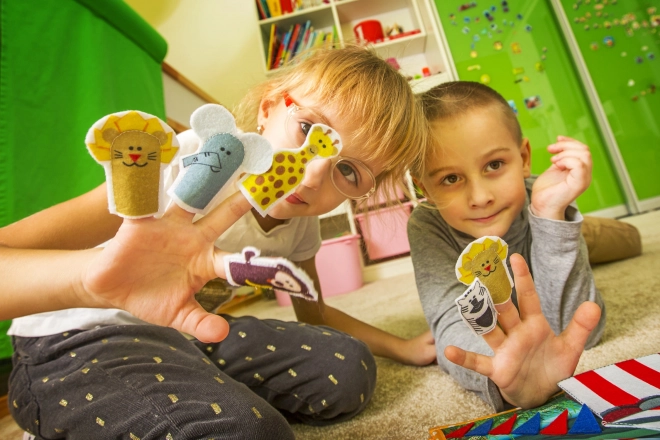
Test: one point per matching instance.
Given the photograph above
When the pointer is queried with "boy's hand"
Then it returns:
(153, 268)
(529, 359)
(567, 178)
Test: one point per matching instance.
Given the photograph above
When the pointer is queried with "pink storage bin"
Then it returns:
(380, 198)
(384, 231)
(338, 266)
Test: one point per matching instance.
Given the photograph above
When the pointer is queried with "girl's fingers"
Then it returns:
(467, 359)
(225, 215)
(528, 300)
(175, 211)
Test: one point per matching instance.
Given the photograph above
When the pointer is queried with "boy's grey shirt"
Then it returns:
(555, 252)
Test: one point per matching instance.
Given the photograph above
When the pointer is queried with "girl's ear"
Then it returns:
(526, 154)
(264, 110)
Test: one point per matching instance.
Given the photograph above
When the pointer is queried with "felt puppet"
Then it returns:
(134, 148)
(485, 258)
(477, 309)
(288, 169)
(280, 274)
(224, 151)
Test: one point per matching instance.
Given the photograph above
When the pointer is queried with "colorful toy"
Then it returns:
(280, 274)
(485, 258)
(224, 152)
(288, 169)
(134, 149)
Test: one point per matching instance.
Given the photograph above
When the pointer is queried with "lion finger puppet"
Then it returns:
(477, 309)
(263, 191)
(224, 152)
(280, 274)
(485, 259)
(134, 148)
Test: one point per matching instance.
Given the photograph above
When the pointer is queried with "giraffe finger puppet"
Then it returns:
(280, 274)
(485, 259)
(134, 149)
(263, 191)
(477, 309)
(224, 152)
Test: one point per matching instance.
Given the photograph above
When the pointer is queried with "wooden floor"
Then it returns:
(8, 429)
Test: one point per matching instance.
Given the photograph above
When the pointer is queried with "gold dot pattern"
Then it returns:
(173, 398)
(257, 413)
(63, 402)
(136, 339)
(242, 334)
(44, 380)
(157, 359)
(258, 377)
(332, 379)
(206, 361)
(100, 421)
(306, 347)
(292, 373)
(169, 437)
(134, 437)
(85, 370)
(340, 356)
(271, 347)
(222, 361)
(160, 377)
(72, 354)
(89, 397)
(217, 379)
(216, 408)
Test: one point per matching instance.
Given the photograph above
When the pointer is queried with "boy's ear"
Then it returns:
(421, 187)
(526, 154)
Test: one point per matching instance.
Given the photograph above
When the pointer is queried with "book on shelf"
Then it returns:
(273, 42)
(262, 7)
(281, 54)
(292, 43)
(274, 7)
(287, 6)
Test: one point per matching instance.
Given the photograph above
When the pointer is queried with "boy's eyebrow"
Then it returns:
(487, 154)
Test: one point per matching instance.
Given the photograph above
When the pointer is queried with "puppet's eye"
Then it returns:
(130, 148)
(139, 148)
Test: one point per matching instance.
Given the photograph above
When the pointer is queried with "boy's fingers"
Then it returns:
(528, 300)
(495, 337)
(467, 359)
(507, 316)
(585, 319)
(226, 214)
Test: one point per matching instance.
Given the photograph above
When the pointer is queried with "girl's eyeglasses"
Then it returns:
(352, 178)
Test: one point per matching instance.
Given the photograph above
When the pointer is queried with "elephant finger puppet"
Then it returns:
(224, 152)
(280, 274)
(477, 309)
(485, 259)
(134, 148)
(288, 168)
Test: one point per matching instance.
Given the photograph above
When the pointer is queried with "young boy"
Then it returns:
(476, 177)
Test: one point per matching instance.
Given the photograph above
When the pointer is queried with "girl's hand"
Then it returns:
(529, 358)
(153, 268)
(419, 350)
(567, 178)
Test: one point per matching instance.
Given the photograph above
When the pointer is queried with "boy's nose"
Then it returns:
(480, 194)
(317, 173)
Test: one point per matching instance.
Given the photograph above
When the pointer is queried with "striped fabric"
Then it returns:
(625, 394)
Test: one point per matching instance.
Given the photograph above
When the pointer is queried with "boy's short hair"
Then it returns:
(456, 98)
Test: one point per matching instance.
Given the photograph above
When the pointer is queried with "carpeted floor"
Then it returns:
(410, 400)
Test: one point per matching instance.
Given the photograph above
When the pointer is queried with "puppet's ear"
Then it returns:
(258, 153)
(494, 246)
(210, 119)
(468, 265)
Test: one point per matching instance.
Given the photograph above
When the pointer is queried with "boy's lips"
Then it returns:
(485, 219)
(295, 199)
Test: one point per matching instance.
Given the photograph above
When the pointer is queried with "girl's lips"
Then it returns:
(295, 199)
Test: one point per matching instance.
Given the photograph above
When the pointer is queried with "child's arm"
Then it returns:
(152, 268)
(434, 253)
(416, 351)
(559, 258)
(529, 359)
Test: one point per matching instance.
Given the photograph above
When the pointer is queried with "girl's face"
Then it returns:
(316, 194)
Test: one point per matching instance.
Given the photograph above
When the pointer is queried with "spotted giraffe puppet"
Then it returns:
(288, 169)
(134, 148)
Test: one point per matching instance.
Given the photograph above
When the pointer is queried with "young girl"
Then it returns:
(98, 373)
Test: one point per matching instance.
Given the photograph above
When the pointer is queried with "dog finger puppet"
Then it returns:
(485, 258)
(477, 309)
(280, 274)
(288, 168)
(134, 148)
(224, 152)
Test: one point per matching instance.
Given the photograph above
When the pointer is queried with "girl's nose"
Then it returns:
(317, 173)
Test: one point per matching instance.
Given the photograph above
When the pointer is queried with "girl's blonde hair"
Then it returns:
(362, 87)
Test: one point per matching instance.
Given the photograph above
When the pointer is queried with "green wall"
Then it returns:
(64, 65)
(521, 53)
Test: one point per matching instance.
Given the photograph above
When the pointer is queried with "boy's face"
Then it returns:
(475, 177)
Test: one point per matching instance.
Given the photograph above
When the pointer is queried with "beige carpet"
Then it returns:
(409, 400)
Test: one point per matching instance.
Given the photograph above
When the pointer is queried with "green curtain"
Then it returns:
(64, 64)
